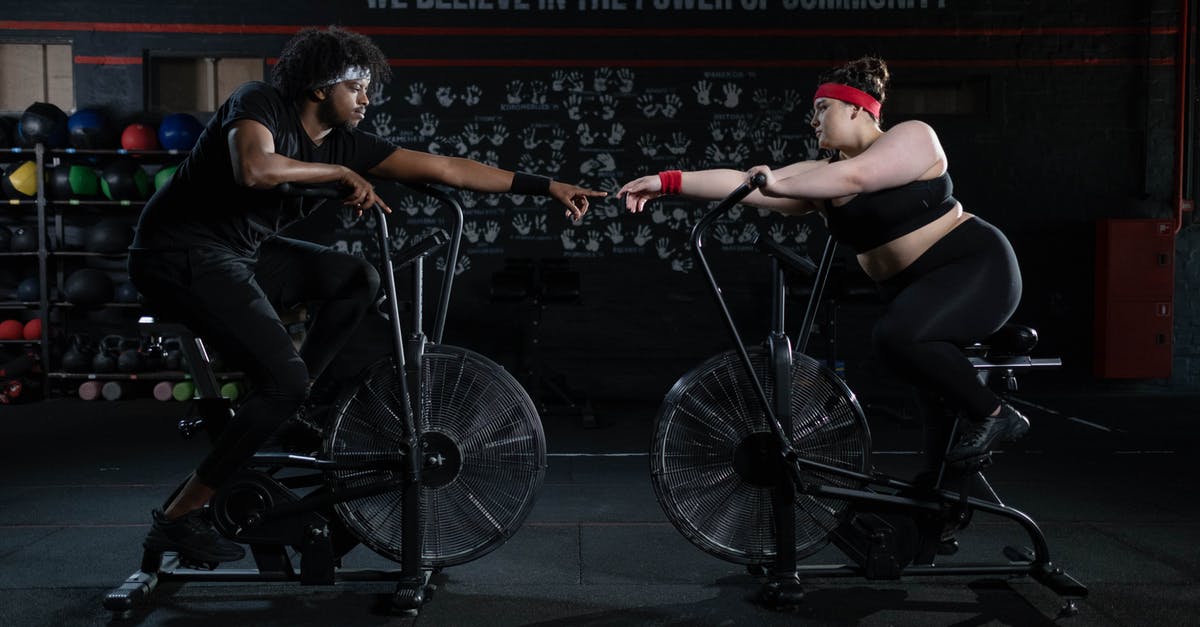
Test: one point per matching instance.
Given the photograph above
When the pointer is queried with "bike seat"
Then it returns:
(158, 325)
(1012, 340)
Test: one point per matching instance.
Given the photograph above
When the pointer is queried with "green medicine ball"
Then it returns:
(124, 179)
(163, 176)
(74, 181)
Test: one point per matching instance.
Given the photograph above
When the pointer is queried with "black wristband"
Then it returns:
(530, 184)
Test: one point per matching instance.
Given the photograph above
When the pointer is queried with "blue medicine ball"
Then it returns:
(179, 131)
(88, 129)
(29, 290)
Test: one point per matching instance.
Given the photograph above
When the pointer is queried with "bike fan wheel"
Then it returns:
(483, 435)
(714, 459)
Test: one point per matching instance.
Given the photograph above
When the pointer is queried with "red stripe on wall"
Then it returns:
(702, 63)
(760, 63)
(445, 31)
(84, 60)
(134, 27)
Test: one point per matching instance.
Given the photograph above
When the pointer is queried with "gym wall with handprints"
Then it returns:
(598, 127)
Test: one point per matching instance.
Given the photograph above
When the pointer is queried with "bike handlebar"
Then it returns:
(295, 189)
(732, 199)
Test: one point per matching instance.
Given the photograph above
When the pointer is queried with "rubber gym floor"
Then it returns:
(1120, 508)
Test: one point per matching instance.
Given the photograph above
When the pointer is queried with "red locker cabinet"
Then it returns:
(1135, 287)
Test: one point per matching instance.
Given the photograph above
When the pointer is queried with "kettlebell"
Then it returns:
(154, 357)
(105, 360)
(78, 357)
(129, 357)
(172, 354)
(104, 363)
(174, 359)
(130, 360)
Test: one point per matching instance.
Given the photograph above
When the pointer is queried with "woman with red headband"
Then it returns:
(948, 277)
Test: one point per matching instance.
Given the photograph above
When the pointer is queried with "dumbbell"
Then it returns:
(89, 390)
(231, 390)
(164, 391)
(184, 391)
(112, 390)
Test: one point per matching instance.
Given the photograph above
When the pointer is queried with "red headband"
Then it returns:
(846, 93)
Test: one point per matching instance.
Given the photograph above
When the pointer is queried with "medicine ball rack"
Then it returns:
(16, 155)
(53, 216)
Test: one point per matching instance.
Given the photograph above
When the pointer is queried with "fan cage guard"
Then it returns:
(712, 409)
(479, 408)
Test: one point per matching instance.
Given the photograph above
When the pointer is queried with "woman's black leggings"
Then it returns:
(230, 301)
(961, 290)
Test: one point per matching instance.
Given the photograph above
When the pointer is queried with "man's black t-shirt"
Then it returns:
(203, 205)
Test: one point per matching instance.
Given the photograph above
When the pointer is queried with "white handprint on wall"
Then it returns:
(513, 92)
(732, 95)
(625, 80)
(416, 94)
(642, 235)
(614, 234)
(492, 232)
(428, 126)
(472, 95)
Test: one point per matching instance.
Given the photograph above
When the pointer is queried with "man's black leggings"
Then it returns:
(230, 301)
(961, 290)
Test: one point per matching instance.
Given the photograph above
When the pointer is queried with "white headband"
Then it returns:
(351, 73)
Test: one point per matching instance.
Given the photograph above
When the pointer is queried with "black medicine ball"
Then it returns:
(126, 293)
(124, 179)
(5, 239)
(88, 287)
(24, 240)
(109, 236)
(74, 181)
(43, 123)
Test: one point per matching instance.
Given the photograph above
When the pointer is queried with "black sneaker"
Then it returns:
(980, 436)
(192, 537)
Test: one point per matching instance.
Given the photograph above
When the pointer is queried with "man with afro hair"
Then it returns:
(207, 250)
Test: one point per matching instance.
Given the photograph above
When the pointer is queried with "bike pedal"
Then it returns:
(197, 564)
(974, 464)
(947, 546)
(782, 595)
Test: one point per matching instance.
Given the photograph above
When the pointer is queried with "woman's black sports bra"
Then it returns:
(872, 219)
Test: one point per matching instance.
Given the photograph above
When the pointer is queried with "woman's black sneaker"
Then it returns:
(980, 436)
(193, 537)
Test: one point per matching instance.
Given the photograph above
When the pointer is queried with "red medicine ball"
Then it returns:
(33, 329)
(139, 137)
(11, 330)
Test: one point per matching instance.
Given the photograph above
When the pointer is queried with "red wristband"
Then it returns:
(671, 181)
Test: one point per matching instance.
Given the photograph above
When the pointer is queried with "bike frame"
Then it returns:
(778, 414)
(407, 354)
